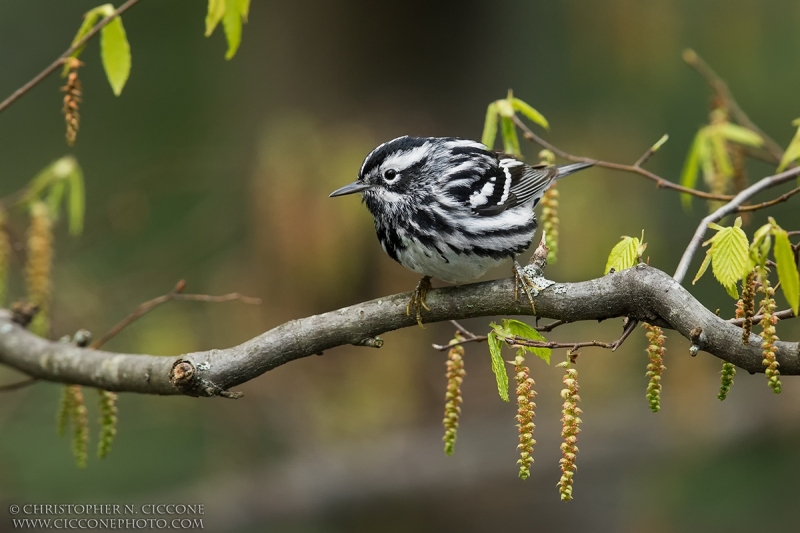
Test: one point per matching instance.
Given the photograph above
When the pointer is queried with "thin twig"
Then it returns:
(174, 294)
(780, 315)
(60, 61)
(18, 385)
(779, 199)
(660, 182)
(522, 341)
(725, 210)
(551, 326)
(719, 86)
(462, 329)
(629, 327)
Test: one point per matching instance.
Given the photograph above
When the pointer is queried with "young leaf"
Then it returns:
(510, 139)
(739, 135)
(624, 254)
(721, 156)
(116, 54)
(787, 269)
(730, 255)
(235, 14)
(521, 329)
(77, 201)
(532, 114)
(691, 168)
(792, 152)
(498, 366)
(216, 9)
(490, 126)
(54, 198)
(703, 267)
(90, 18)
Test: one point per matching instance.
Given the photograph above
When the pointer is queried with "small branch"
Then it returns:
(629, 327)
(660, 182)
(779, 199)
(462, 329)
(18, 385)
(719, 86)
(60, 61)
(650, 151)
(780, 315)
(551, 326)
(174, 294)
(727, 209)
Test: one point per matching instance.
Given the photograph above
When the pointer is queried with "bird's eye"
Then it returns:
(390, 175)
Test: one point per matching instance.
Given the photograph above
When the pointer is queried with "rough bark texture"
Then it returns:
(643, 293)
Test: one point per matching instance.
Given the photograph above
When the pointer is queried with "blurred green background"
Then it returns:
(218, 172)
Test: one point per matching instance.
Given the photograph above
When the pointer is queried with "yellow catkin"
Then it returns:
(747, 306)
(550, 221)
(768, 336)
(655, 368)
(38, 269)
(5, 257)
(80, 425)
(570, 427)
(73, 94)
(726, 380)
(108, 422)
(525, 413)
(453, 399)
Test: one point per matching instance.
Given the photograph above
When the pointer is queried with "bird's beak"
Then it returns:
(356, 186)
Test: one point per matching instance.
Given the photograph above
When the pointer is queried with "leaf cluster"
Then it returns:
(502, 112)
(507, 332)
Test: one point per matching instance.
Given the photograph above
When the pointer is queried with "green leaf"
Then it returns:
(792, 152)
(730, 256)
(703, 267)
(232, 23)
(216, 9)
(54, 198)
(244, 9)
(691, 168)
(521, 329)
(739, 135)
(721, 156)
(787, 269)
(624, 254)
(532, 114)
(498, 365)
(510, 139)
(116, 54)
(77, 201)
(490, 126)
(90, 18)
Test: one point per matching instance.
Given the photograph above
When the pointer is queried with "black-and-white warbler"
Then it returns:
(450, 208)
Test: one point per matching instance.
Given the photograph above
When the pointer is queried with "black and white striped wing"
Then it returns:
(514, 183)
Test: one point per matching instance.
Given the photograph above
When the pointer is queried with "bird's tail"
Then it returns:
(566, 170)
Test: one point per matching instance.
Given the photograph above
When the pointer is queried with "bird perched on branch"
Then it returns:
(451, 208)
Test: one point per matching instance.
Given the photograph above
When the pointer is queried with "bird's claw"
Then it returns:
(417, 300)
(521, 279)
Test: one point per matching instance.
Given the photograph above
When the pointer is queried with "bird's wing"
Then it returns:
(514, 183)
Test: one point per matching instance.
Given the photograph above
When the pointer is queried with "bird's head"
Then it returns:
(393, 171)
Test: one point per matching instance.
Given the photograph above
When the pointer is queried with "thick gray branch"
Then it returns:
(643, 293)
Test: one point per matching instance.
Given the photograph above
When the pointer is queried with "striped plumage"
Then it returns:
(450, 208)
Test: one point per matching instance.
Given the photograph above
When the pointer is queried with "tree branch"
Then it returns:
(636, 169)
(60, 61)
(642, 293)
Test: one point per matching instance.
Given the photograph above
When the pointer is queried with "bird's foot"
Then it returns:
(417, 300)
(523, 280)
